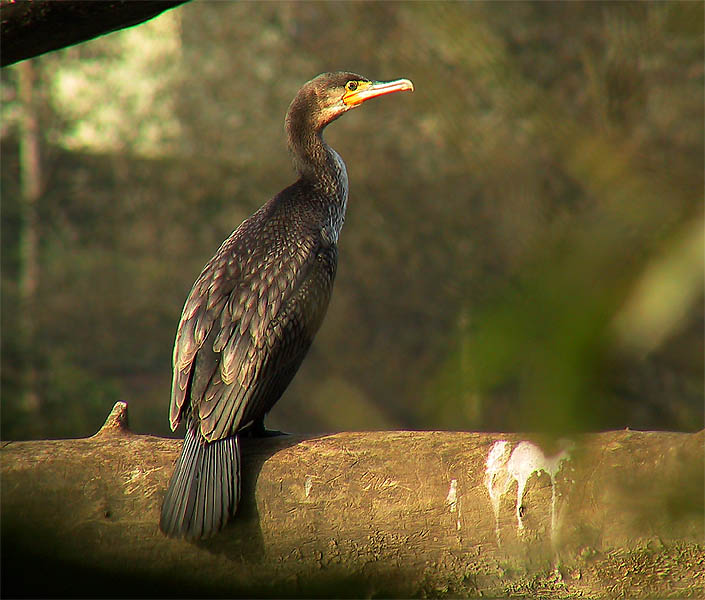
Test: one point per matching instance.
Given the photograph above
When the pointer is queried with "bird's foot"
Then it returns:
(270, 433)
(258, 430)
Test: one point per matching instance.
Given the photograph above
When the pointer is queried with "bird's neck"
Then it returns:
(317, 164)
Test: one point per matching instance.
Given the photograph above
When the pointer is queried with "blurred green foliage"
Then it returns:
(523, 248)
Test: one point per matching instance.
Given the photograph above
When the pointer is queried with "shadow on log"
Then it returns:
(377, 514)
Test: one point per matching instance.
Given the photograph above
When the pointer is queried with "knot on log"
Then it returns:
(116, 421)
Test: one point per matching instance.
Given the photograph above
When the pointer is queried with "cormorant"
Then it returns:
(252, 313)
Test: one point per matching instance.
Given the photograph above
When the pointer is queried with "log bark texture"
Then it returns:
(30, 28)
(392, 514)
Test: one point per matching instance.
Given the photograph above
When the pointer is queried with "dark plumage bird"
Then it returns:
(252, 314)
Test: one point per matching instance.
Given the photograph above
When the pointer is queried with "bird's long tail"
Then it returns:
(204, 490)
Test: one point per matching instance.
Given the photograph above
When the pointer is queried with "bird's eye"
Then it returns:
(351, 86)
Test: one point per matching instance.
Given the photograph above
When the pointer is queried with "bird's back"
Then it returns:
(253, 312)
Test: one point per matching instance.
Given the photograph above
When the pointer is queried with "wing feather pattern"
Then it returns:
(245, 328)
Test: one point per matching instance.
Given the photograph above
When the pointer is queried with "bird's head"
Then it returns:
(326, 97)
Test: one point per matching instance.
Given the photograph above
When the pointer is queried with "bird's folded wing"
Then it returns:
(241, 331)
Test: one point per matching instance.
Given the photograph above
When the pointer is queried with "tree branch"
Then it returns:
(401, 513)
(30, 28)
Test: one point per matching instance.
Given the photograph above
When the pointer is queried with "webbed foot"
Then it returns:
(258, 430)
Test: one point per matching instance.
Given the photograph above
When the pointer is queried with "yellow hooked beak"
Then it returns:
(366, 90)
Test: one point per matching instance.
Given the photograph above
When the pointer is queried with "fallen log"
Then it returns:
(395, 514)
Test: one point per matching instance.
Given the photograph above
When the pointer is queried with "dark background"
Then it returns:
(524, 242)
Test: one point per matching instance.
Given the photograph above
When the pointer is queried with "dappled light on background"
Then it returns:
(523, 246)
(117, 94)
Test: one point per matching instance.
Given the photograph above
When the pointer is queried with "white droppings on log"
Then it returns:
(525, 460)
(452, 498)
(496, 479)
(453, 501)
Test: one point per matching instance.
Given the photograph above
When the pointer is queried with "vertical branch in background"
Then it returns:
(31, 189)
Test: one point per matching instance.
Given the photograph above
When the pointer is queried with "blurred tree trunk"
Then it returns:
(31, 28)
(31, 189)
(394, 514)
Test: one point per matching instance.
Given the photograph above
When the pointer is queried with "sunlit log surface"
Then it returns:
(391, 514)
(31, 28)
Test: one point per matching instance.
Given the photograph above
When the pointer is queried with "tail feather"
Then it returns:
(204, 490)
